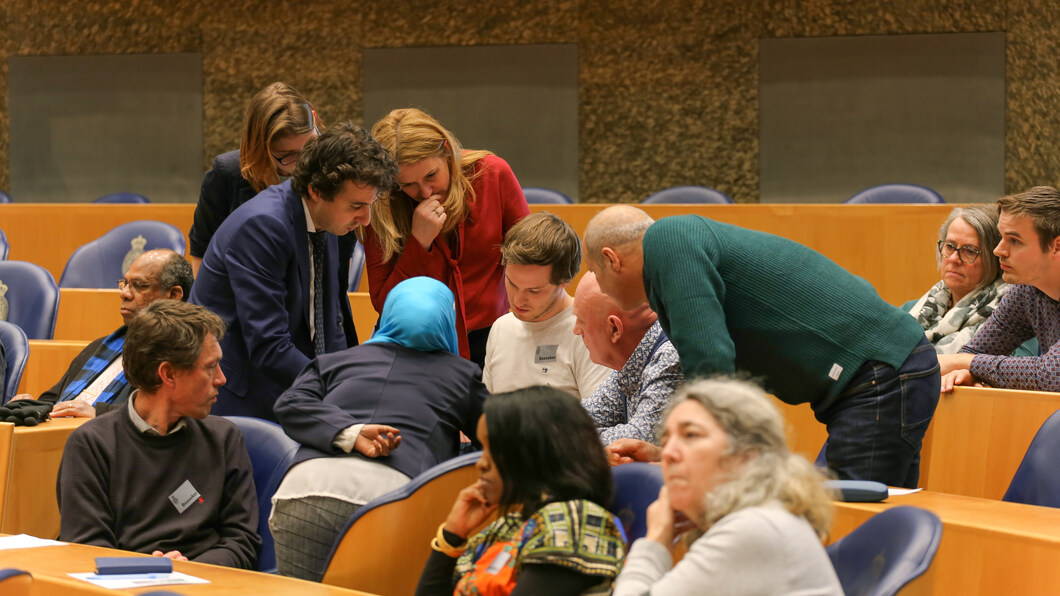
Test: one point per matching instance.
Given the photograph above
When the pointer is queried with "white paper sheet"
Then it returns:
(138, 580)
(26, 541)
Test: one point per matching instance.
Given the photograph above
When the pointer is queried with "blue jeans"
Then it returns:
(877, 426)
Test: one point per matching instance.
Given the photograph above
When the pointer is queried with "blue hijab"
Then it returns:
(419, 314)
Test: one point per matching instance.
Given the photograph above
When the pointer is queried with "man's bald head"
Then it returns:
(614, 253)
(610, 333)
(615, 227)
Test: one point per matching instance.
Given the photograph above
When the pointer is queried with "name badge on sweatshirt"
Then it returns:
(546, 354)
(835, 372)
(184, 496)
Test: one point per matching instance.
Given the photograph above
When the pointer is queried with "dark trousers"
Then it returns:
(877, 426)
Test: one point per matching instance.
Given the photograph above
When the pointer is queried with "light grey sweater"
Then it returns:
(758, 550)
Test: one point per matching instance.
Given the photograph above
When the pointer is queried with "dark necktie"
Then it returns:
(320, 250)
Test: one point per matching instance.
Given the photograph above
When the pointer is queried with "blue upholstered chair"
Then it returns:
(122, 197)
(889, 550)
(16, 352)
(412, 513)
(100, 263)
(688, 194)
(1037, 480)
(636, 485)
(356, 267)
(29, 298)
(5, 247)
(5, 198)
(539, 195)
(271, 453)
(896, 193)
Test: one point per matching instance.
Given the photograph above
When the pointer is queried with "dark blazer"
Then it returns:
(52, 395)
(223, 190)
(255, 275)
(429, 396)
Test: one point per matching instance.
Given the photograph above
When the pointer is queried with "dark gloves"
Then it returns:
(25, 412)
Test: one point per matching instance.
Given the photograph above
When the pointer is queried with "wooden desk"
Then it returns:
(979, 436)
(57, 561)
(364, 315)
(988, 547)
(35, 456)
(805, 434)
(852, 235)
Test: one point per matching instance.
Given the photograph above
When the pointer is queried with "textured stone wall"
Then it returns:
(668, 88)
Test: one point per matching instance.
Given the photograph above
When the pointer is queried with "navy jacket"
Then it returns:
(429, 396)
(255, 276)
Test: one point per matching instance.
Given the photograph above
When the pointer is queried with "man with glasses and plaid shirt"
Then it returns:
(1030, 260)
(95, 381)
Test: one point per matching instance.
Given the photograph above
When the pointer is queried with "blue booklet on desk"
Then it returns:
(132, 565)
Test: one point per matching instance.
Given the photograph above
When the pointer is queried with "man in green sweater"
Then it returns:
(734, 300)
(160, 475)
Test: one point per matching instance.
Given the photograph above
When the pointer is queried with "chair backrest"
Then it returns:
(356, 267)
(29, 298)
(889, 550)
(100, 263)
(688, 194)
(412, 512)
(271, 453)
(122, 197)
(636, 485)
(896, 193)
(15, 582)
(5, 246)
(1037, 480)
(16, 352)
(536, 194)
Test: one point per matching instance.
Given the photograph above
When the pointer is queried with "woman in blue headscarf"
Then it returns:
(371, 418)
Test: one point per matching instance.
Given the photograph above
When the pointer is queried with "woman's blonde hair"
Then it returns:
(411, 135)
(762, 468)
(275, 112)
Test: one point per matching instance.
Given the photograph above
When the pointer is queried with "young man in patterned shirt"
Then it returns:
(1030, 257)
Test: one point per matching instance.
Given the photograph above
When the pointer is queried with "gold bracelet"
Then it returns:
(440, 544)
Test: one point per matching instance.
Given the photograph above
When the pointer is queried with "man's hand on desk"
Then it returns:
(624, 451)
(74, 408)
(173, 554)
(958, 377)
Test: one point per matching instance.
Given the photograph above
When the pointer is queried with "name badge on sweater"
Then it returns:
(835, 372)
(546, 354)
(184, 496)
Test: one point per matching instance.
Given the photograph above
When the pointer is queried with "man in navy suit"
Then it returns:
(262, 275)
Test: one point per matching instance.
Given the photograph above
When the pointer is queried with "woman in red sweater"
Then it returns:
(446, 221)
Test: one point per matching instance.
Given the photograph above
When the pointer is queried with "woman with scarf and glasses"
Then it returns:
(971, 286)
(446, 221)
(370, 419)
(278, 122)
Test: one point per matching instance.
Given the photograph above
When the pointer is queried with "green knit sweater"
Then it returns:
(733, 299)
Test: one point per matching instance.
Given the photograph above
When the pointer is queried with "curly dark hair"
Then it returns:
(546, 448)
(343, 152)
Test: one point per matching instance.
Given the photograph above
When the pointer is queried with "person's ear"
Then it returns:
(167, 373)
(614, 328)
(314, 193)
(174, 293)
(611, 259)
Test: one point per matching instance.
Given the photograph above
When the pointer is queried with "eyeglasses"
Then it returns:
(289, 159)
(137, 286)
(968, 254)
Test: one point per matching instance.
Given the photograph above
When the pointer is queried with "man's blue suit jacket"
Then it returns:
(255, 275)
